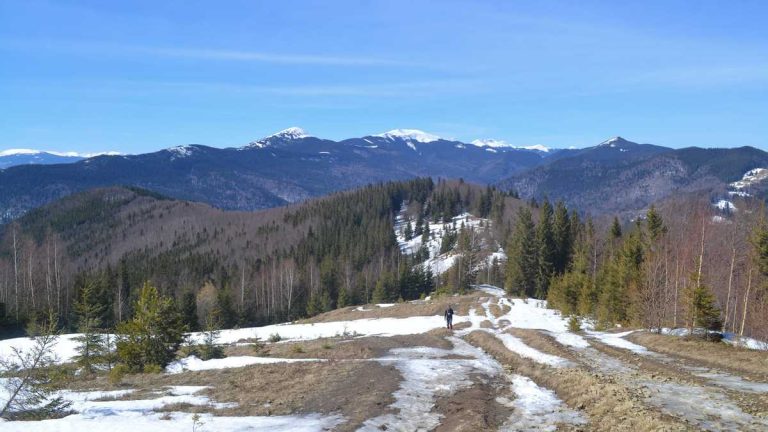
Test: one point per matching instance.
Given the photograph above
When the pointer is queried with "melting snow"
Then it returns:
(536, 408)
(193, 363)
(426, 376)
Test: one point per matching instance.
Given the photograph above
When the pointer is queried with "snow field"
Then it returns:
(139, 415)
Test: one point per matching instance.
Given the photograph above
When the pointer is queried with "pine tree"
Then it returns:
(343, 300)
(152, 337)
(615, 231)
(546, 250)
(655, 224)
(561, 234)
(380, 292)
(91, 348)
(210, 348)
(520, 275)
(408, 233)
(189, 310)
(29, 385)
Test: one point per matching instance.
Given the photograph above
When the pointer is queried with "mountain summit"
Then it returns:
(410, 135)
(292, 133)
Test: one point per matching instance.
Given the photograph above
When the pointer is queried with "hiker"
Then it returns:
(449, 317)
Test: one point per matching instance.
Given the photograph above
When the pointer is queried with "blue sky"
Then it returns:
(137, 76)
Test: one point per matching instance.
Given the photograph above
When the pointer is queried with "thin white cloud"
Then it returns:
(701, 75)
(95, 48)
(401, 89)
(255, 56)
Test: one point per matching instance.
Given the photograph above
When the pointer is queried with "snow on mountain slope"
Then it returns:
(291, 133)
(410, 135)
(19, 152)
(751, 178)
(440, 263)
(493, 143)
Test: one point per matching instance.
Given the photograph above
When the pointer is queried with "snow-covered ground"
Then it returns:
(729, 338)
(536, 408)
(193, 363)
(440, 263)
(97, 411)
(65, 347)
(427, 374)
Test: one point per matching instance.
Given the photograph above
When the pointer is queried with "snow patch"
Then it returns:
(409, 135)
(427, 375)
(493, 143)
(536, 408)
(192, 363)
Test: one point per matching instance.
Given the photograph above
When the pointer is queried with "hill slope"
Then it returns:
(619, 176)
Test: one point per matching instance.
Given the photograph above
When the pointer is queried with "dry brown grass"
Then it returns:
(609, 405)
(543, 342)
(742, 361)
(461, 305)
(345, 349)
(356, 389)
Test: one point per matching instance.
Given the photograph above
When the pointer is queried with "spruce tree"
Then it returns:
(30, 383)
(615, 231)
(520, 275)
(189, 310)
(343, 300)
(655, 224)
(408, 233)
(561, 234)
(91, 348)
(152, 337)
(546, 250)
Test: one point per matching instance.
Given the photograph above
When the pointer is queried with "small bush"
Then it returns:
(153, 369)
(297, 349)
(258, 347)
(327, 346)
(573, 324)
(117, 373)
(275, 337)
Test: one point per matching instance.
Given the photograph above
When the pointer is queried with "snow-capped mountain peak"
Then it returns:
(410, 135)
(494, 143)
(613, 141)
(14, 152)
(71, 154)
(291, 133)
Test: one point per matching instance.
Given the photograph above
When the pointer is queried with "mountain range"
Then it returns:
(616, 176)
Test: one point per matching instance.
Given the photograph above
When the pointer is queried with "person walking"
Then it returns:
(449, 317)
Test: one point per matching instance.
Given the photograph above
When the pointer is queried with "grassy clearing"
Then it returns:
(609, 405)
(369, 347)
(741, 361)
(357, 390)
(461, 305)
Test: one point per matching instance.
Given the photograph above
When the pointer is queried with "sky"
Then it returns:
(138, 76)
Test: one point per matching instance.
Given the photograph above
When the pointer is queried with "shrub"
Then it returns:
(297, 349)
(154, 334)
(275, 337)
(573, 324)
(117, 373)
(153, 369)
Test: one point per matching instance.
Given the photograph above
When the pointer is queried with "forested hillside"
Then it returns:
(252, 267)
(685, 264)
